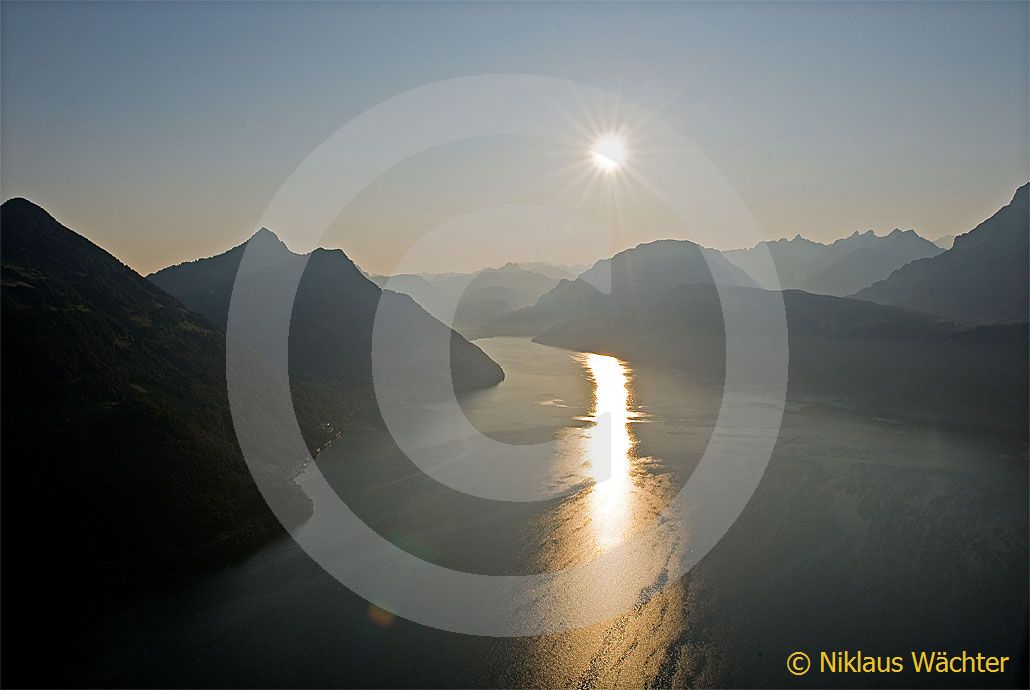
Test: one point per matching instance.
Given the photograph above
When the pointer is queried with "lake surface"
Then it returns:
(864, 533)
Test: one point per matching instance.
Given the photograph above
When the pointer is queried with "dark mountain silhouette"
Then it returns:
(841, 268)
(205, 285)
(121, 390)
(632, 279)
(981, 279)
(331, 327)
(121, 466)
(883, 360)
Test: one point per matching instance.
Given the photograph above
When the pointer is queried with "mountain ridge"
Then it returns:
(981, 279)
(839, 268)
(332, 318)
(103, 354)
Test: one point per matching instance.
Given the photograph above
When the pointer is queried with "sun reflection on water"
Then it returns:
(609, 449)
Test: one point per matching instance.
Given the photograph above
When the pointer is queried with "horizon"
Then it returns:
(514, 261)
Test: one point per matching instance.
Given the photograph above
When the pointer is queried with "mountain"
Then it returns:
(553, 271)
(119, 391)
(633, 278)
(860, 266)
(981, 279)
(648, 271)
(657, 305)
(416, 287)
(120, 462)
(331, 327)
(793, 259)
(945, 241)
(472, 298)
(517, 286)
(840, 268)
(843, 352)
(205, 285)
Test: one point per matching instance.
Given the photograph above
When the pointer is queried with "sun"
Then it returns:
(609, 152)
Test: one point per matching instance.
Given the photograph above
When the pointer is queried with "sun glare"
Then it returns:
(609, 450)
(609, 152)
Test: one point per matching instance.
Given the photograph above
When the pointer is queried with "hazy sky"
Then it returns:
(162, 131)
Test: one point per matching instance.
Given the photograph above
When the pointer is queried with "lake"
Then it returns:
(871, 534)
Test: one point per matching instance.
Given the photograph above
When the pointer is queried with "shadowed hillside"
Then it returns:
(332, 319)
(122, 391)
(121, 465)
(882, 360)
(981, 279)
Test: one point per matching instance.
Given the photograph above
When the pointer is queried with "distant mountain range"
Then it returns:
(544, 268)
(475, 298)
(633, 278)
(841, 268)
(554, 271)
(645, 273)
(486, 297)
(657, 303)
(981, 279)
